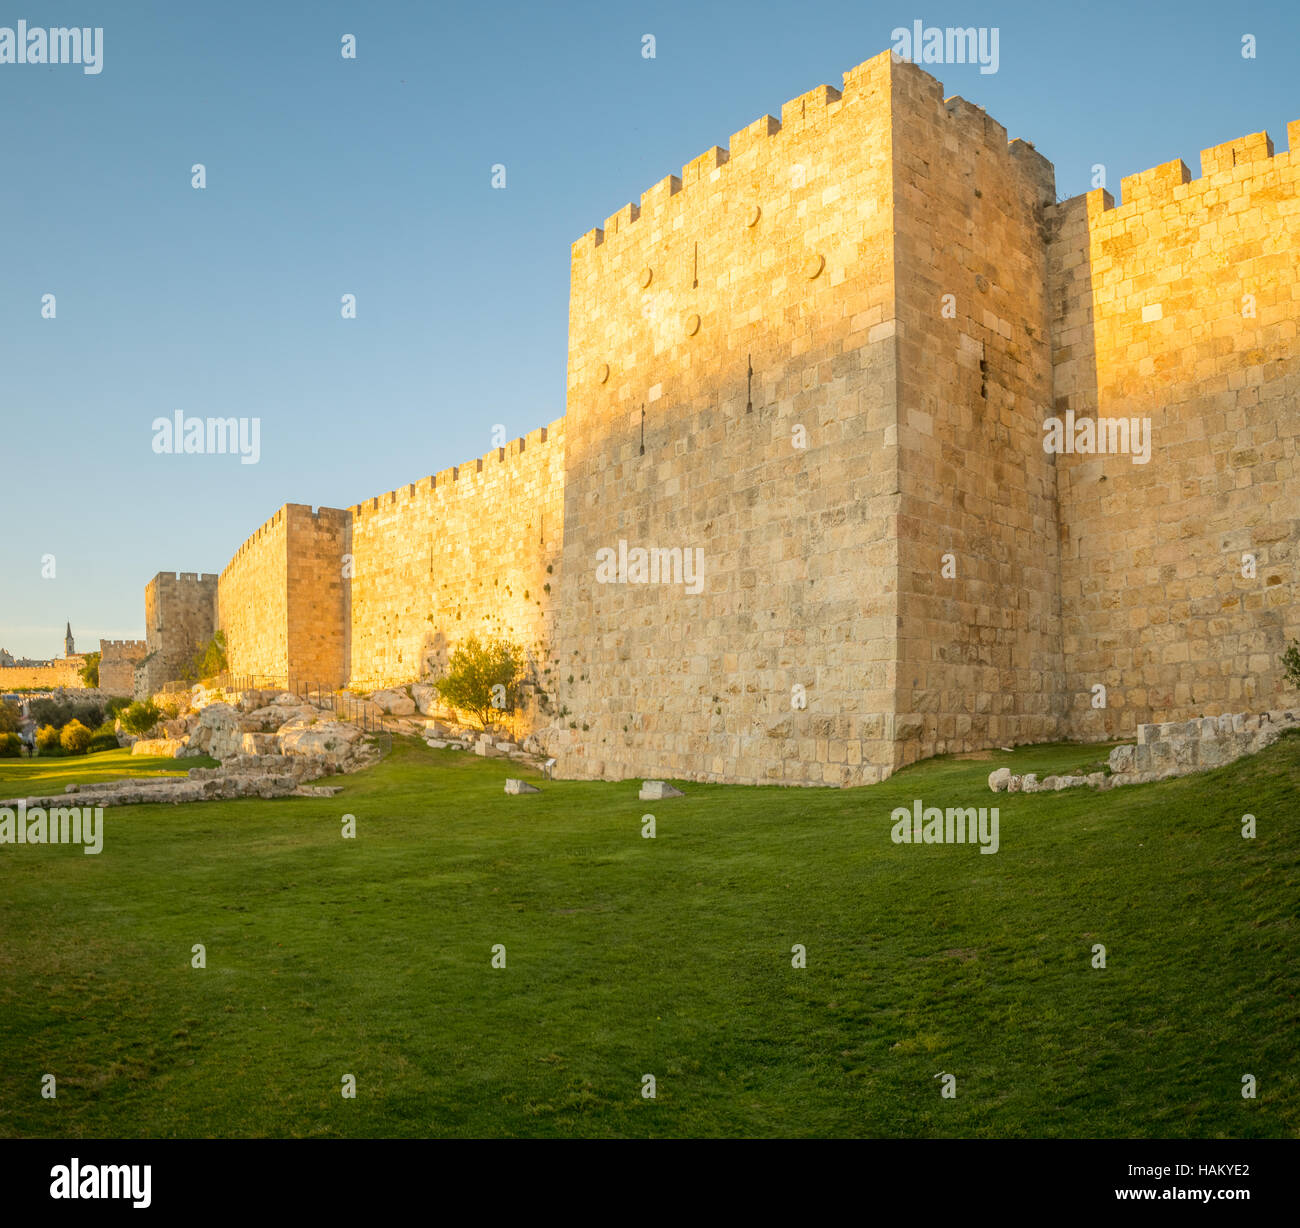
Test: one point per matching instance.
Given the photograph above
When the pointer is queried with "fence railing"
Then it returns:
(345, 706)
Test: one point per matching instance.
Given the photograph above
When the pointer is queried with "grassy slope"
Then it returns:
(51, 773)
(669, 956)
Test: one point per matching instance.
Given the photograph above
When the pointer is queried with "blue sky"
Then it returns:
(372, 177)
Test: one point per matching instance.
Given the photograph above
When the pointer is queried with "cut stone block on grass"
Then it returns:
(520, 786)
(657, 790)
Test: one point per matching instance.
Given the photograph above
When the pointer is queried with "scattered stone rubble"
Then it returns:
(1172, 748)
(269, 743)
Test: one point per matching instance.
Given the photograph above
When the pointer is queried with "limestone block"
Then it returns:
(657, 790)
(162, 748)
(520, 786)
(426, 697)
(395, 703)
(999, 779)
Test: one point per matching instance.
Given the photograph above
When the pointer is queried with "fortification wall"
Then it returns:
(117, 663)
(316, 597)
(475, 548)
(27, 677)
(1153, 303)
(745, 308)
(180, 615)
(253, 601)
(979, 637)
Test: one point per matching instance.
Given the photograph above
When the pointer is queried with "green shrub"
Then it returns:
(141, 716)
(208, 660)
(75, 738)
(89, 671)
(1291, 663)
(58, 712)
(11, 745)
(483, 678)
(114, 706)
(11, 717)
(102, 740)
(47, 739)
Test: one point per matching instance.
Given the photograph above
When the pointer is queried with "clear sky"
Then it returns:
(372, 177)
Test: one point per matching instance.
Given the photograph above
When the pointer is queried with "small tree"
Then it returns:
(75, 738)
(483, 678)
(11, 745)
(11, 717)
(141, 716)
(47, 739)
(89, 672)
(1291, 663)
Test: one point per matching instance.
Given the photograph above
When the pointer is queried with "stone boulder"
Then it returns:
(394, 702)
(219, 731)
(1000, 778)
(333, 741)
(657, 790)
(427, 699)
(520, 787)
(1121, 759)
(253, 699)
(162, 748)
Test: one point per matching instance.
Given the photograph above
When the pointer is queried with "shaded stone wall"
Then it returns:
(180, 614)
(117, 663)
(979, 636)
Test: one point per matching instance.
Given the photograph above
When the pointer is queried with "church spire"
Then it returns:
(69, 648)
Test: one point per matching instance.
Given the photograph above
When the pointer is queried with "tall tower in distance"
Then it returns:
(69, 648)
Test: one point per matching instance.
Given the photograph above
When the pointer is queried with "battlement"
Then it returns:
(203, 579)
(123, 645)
(1232, 162)
(511, 452)
(810, 113)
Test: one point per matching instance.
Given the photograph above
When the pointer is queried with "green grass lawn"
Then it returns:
(672, 957)
(52, 773)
